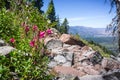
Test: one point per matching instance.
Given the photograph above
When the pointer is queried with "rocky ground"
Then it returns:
(71, 59)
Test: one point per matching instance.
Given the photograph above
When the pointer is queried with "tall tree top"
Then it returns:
(65, 22)
(65, 26)
(51, 11)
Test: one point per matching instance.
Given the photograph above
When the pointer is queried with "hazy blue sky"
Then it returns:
(90, 13)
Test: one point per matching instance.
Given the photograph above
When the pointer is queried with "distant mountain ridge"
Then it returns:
(88, 31)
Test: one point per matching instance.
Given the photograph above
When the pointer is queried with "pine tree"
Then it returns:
(51, 12)
(39, 4)
(65, 26)
(58, 23)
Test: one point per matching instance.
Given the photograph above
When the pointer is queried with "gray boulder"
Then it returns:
(69, 56)
(4, 50)
(66, 77)
(91, 77)
(54, 44)
(52, 64)
(60, 59)
(68, 64)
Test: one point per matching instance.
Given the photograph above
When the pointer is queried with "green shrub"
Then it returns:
(25, 66)
(8, 27)
(28, 61)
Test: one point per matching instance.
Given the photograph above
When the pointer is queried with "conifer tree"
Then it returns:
(39, 4)
(51, 12)
(58, 23)
(65, 26)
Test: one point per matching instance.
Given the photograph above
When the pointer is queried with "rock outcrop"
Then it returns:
(71, 59)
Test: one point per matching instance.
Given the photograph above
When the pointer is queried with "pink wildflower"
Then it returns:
(42, 34)
(12, 40)
(35, 28)
(27, 29)
(32, 43)
(49, 31)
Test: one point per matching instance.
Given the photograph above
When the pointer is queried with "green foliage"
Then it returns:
(4, 4)
(10, 20)
(25, 67)
(31, 16)
(58, 22)
(8, 25)
(16, 4)
(64, 27)
(51, 12)
(28, 62)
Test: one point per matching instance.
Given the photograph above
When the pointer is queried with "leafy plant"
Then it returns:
(8, 25)
(29, 61)
(24, 29)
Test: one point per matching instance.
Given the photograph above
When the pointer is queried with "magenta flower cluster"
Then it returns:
(12, 40)
(38, 34)
(41, 35)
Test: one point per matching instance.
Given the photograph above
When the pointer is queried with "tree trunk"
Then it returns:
(118, 15)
